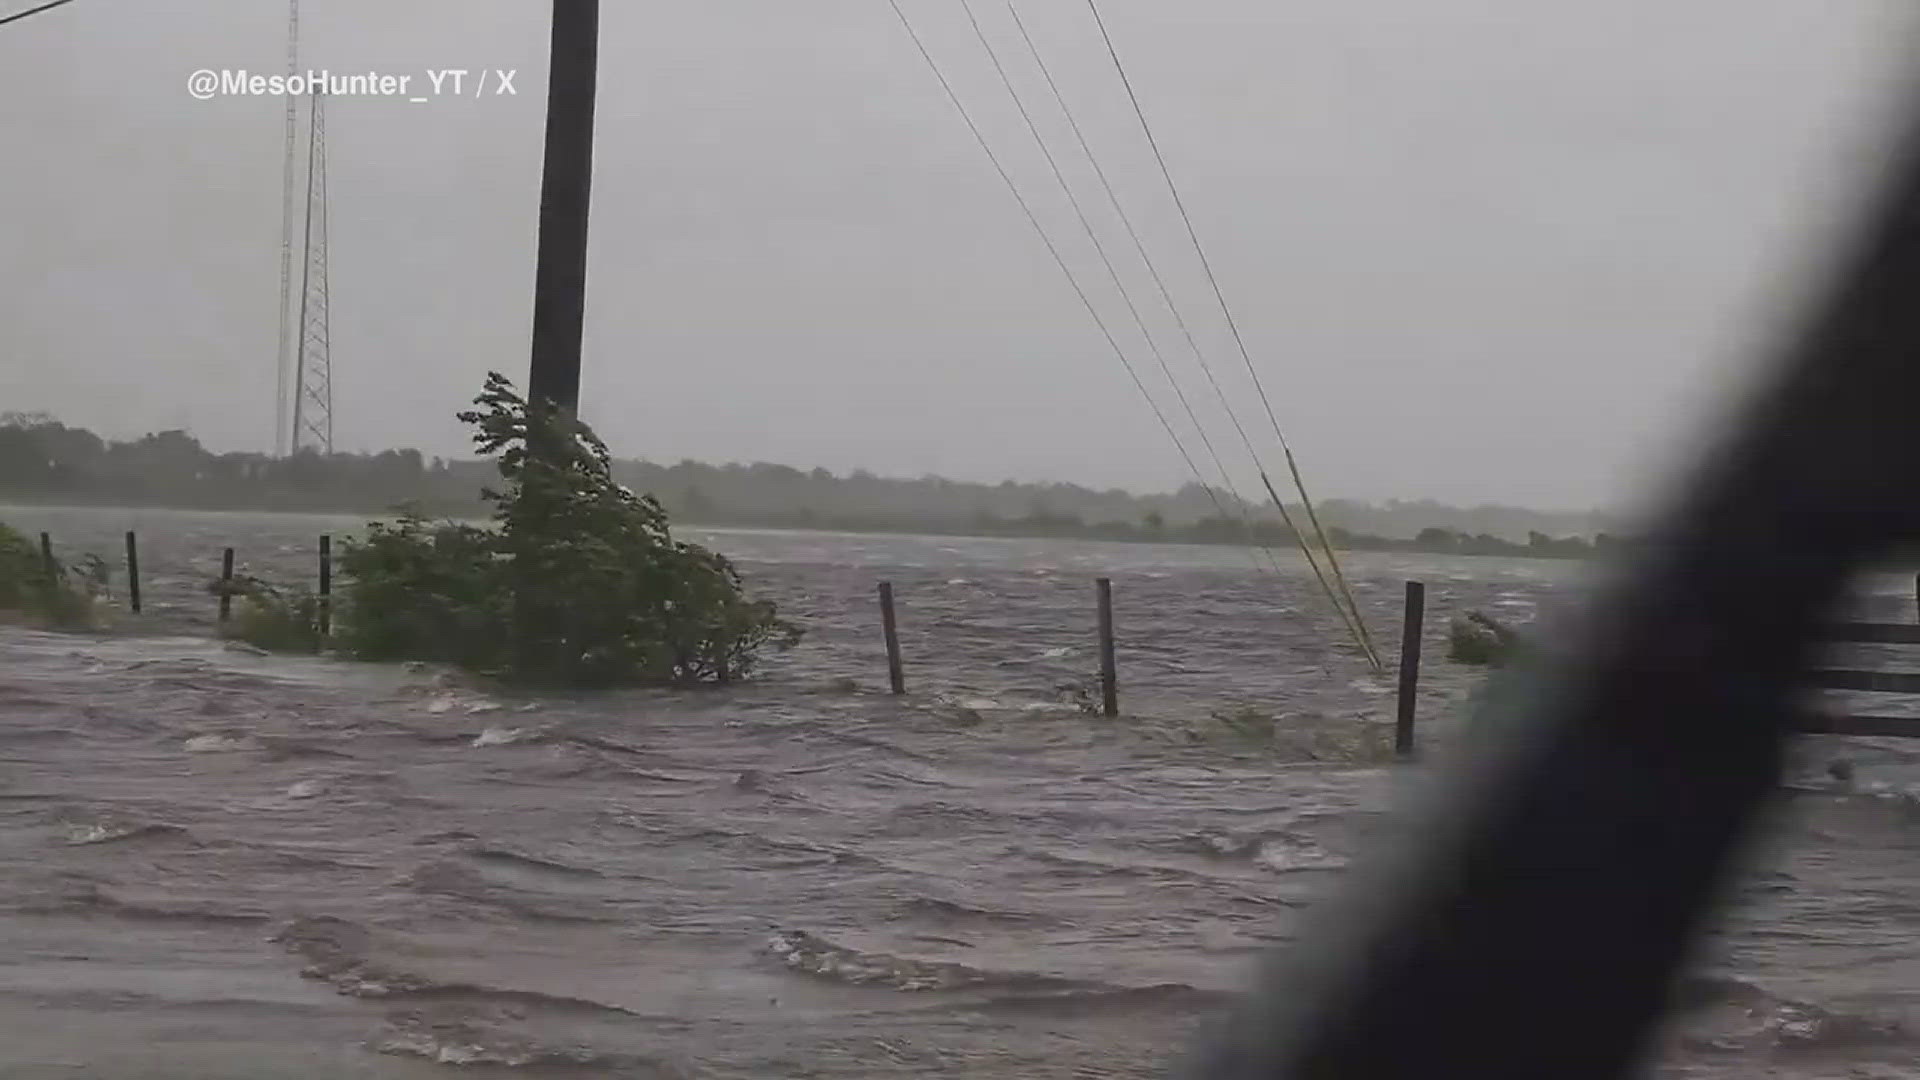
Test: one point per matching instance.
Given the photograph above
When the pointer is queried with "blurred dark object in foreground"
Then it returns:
(1539, 932)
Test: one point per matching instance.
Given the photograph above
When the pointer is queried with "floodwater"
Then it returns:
(225, 865)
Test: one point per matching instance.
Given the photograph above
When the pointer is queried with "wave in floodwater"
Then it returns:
(1730, 1016)
(241, 866)
(996, 991)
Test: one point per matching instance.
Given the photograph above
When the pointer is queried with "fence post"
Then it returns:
(226, 584)
(1916, 591)
(326, 584)
(133, 573)
(1409, 666)
(47, 564)
(1109, 691)
(896, 677)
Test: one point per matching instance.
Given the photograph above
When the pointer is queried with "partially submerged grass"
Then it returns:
(1478, 638)
(276, 620)
(1295, 737)
(52, 595)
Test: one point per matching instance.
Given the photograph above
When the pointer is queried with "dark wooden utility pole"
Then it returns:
(560, 279)
(326, 586)
(133, 572)
(226, 585)
(896, 677)
(1109, 681)
(1414, 622)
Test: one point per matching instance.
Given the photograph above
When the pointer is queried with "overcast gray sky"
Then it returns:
(1499, 250)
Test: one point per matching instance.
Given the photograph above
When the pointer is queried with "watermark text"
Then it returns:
(413, 86)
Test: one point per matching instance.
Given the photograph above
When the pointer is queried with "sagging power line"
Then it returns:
(18, 15)
(1350, 616)
(1338, 593)
(1093, 237)
(1233, 325)
(1052, 248)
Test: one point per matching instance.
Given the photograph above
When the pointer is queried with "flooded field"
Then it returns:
(229, 865)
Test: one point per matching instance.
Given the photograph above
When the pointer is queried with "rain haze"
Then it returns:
(884, 697)
(1480, 252)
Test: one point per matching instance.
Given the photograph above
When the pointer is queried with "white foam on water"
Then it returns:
(505, 736)
(216, 744)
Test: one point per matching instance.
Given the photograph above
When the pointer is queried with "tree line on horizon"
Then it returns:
(45, 460)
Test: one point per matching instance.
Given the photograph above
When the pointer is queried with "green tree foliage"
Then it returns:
(578, 583)
(422, 590)
(43, 460)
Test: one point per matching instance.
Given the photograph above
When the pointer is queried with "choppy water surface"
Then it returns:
(227, 865)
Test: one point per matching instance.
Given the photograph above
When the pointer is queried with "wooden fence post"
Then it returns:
(133, 573)
(47, 564)
(1409, 666)
(226, 584)
(1109, 690)
(326, 585)
(896, 677)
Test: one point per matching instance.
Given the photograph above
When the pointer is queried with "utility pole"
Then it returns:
(560, 279)
(560, 276)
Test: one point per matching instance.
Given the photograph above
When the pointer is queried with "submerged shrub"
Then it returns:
(1477, 638)
(420, 590)
(713, 631)
(578, 583)
(56, 595)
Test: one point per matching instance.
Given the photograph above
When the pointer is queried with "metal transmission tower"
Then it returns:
(313, 369)
(284, 347)
(303, 407)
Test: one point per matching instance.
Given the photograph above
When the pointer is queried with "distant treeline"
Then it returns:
(43, 460)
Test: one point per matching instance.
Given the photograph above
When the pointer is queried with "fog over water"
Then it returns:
(1497, 267)
(1481, 251)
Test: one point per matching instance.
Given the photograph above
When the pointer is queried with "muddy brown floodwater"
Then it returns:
(224, 865)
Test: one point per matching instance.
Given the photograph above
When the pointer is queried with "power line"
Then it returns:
(1052, 249)
(1179, 203)
(18, 15)
(1100, 249)
(1139, 246)
(1114, 274)
(1233, 325)
(1166, 296)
